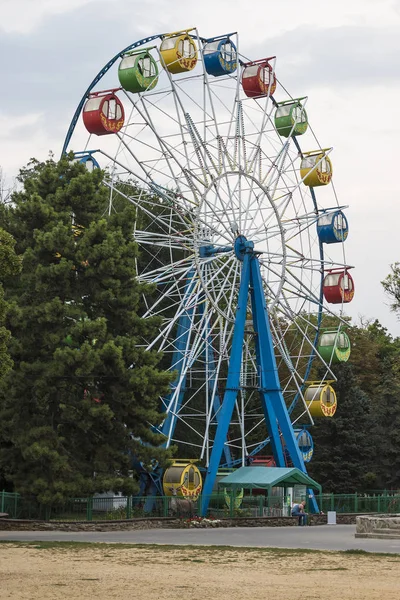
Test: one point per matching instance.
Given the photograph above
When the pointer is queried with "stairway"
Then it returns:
(378, 527)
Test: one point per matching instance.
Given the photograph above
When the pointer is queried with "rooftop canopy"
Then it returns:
(250, 478)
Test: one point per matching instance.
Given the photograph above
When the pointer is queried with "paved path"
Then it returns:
(323, 537)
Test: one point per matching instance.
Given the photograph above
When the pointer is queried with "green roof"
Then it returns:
(266, 477)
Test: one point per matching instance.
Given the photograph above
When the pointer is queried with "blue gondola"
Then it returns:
(87, 159)
(332, 227)
(305, 443)
(220, 56)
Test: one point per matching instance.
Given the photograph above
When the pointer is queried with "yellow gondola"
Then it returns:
(320, 398)
(316, 168)
(178, 52)
(184, 477)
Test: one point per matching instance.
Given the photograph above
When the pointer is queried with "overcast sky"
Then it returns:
(344, 55)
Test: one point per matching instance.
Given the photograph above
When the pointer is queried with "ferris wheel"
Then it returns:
(205, 143)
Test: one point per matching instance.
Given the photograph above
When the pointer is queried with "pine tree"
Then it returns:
(343, 450)
(83, 391)
(391, 285)
(9, 266)
(386, 407)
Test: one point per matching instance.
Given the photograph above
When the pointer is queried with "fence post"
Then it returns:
(129, 507)
(379, 504)
(332, 502)
(2, 501)
(261, 505)
(355, 502)
(89, 509)
(231, 504)
(165, 505)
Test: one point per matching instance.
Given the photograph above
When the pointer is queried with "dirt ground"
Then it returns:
(105, 572)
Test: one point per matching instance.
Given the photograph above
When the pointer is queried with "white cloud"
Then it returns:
(23, 16)
(10, 127)
(23, 138)
(256, 20)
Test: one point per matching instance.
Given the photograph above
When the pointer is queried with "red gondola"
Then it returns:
(338, 287)
(258, 78)
(103, 113)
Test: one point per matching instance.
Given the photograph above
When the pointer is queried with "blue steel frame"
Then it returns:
(212, 385)
(182, 337)
(274, 406)
(167, 428)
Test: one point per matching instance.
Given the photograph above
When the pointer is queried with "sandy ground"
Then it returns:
(105, 572)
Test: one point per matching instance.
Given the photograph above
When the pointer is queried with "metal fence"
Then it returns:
(359, 503)
(220, 506)
(9, 503)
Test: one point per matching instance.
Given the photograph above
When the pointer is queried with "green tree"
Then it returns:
(83, 391)
(10, 265)
(343, 450)
(387, 427)
(368, 391)
(391, 285)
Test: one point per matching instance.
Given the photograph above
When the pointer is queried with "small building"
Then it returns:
(267, 479)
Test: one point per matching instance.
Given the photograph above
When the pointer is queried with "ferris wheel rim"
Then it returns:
(196, 257)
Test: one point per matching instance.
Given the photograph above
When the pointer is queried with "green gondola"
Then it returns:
(138, 71)
(334, 346)
(291, 118)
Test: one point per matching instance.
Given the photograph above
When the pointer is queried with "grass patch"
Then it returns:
(205, 550)
(329, 569)
(196, 560)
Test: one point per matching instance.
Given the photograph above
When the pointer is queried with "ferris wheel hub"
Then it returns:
(243, 246)
(210, 250)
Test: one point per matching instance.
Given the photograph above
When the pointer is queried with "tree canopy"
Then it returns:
(78, 402)
(10, 266)
(391, 285)
(357, 449)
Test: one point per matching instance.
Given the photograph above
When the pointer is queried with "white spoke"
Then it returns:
(205, 167)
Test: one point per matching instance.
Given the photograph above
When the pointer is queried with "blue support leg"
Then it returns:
(269, 414)
(270, 377)
(272, 393)
(232, 384)
(212, 385)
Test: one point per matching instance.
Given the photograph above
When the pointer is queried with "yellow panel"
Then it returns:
(187, 483)
(321, 400)
(315, 177)
(173, 59)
